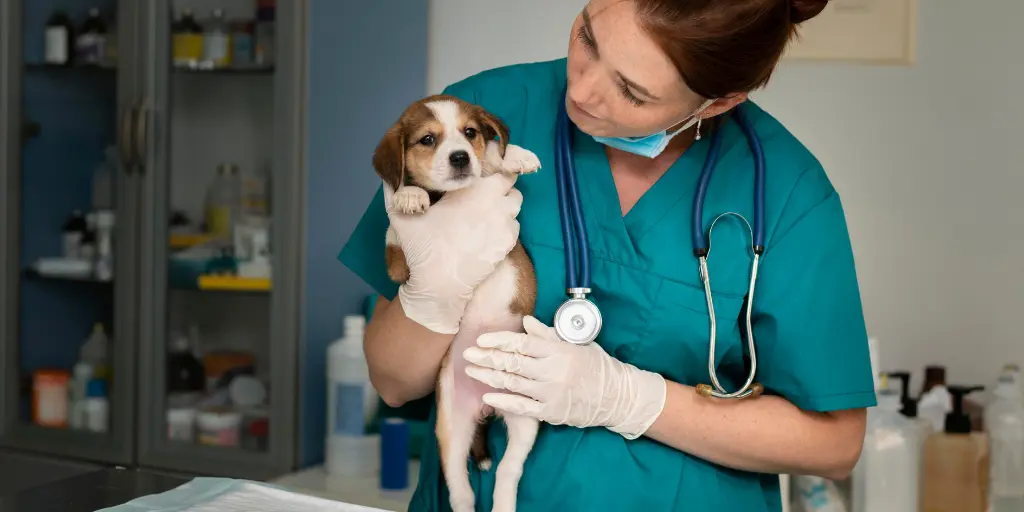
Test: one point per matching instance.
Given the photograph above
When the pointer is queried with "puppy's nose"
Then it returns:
(459, 159)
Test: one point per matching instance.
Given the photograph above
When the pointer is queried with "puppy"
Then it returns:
(441, 144)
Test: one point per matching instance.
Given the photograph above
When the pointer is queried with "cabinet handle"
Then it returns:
(141, 136)
(125, 139)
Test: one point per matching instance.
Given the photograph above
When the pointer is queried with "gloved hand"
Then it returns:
(453, 247)
(565, 384)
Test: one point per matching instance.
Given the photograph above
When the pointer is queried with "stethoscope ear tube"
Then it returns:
(701, 249)
(560, 170)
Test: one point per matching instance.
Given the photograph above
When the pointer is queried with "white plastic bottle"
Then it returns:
(888, 474)
(82, 374)
(351, 404)
(97, 406)
(1004, 420)
(95, 352)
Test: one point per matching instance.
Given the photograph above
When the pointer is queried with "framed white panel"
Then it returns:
(871, 31)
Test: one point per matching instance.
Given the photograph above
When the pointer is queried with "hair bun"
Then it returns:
(803, 10)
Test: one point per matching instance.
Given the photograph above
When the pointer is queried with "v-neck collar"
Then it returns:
(601, 197)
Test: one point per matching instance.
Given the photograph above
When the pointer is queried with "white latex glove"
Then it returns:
(565, 384)
(453, 247)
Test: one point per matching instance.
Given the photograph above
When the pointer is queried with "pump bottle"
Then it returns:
(956, 463)
(1004, 418)
(887, 476)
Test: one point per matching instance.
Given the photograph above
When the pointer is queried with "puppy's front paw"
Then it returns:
(519, 160)
(411, 200)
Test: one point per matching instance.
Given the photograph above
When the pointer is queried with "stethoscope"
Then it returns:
(578, 320)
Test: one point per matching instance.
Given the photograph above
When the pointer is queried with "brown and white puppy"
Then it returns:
(441, 144)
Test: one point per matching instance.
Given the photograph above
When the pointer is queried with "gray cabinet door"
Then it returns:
(68, 328)
(220, 232)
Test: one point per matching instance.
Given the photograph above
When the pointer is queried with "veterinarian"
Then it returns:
(624, 428)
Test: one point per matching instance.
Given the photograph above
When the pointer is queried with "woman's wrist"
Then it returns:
(645, 394)
(438, 313)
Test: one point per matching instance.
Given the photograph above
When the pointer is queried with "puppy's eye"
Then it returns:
(427, 140)
(470, 133)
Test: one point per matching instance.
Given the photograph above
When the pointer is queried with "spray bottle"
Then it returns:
(936, 401)
(1004, 418)
(887, 476)
(908, 406)
(956, 463)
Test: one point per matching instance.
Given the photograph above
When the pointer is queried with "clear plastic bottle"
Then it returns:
(1004, 419)
(887, 475)
(223, 201)
(95, 352)
(217, 41)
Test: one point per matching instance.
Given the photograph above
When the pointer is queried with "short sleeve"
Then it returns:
(363, 253)
(809, 328)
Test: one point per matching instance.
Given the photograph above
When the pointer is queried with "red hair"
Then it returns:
(722, 47)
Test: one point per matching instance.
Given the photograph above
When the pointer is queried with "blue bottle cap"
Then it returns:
(96, 388)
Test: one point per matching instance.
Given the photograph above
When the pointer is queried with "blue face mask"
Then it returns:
(651, 145)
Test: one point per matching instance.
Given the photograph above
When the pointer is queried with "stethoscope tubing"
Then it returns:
(575, 240)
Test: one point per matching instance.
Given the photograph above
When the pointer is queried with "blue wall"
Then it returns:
(367, 62)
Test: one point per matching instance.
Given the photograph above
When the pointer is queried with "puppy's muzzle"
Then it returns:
(459, 161)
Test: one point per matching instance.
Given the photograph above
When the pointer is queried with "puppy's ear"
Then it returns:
(389, 158)
(492, 126)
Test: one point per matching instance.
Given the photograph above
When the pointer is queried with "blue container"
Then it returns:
(394, 454)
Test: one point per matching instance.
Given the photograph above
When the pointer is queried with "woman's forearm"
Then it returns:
(404, 357)
(767, 434)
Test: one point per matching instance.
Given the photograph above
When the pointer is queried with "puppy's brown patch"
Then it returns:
(526, 281)
(398, 268)
(390, 157)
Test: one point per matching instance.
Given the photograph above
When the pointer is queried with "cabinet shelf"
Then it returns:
(234, 283)
(184, 241)
(32, 273)
(44, 66)
(242, 70)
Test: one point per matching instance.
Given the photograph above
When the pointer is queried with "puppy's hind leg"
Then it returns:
(522, 432)
(456, 430)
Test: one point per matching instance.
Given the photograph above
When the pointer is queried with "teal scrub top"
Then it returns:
(808, 323)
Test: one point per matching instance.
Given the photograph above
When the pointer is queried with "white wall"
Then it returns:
(928, 160)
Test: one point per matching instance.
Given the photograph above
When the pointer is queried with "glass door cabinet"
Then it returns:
(69, 329)
(149, 231)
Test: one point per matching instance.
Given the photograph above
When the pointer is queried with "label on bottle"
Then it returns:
(56, 40)
(187, 49)
(349, 407)
(217, 49)
(89, 48)
(218, 220)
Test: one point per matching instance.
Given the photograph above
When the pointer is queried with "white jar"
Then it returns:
(181, 424)
(218, 427)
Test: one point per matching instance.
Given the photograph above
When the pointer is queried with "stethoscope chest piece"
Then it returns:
(578, 321)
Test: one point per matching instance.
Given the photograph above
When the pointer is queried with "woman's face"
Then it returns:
(620, 83)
